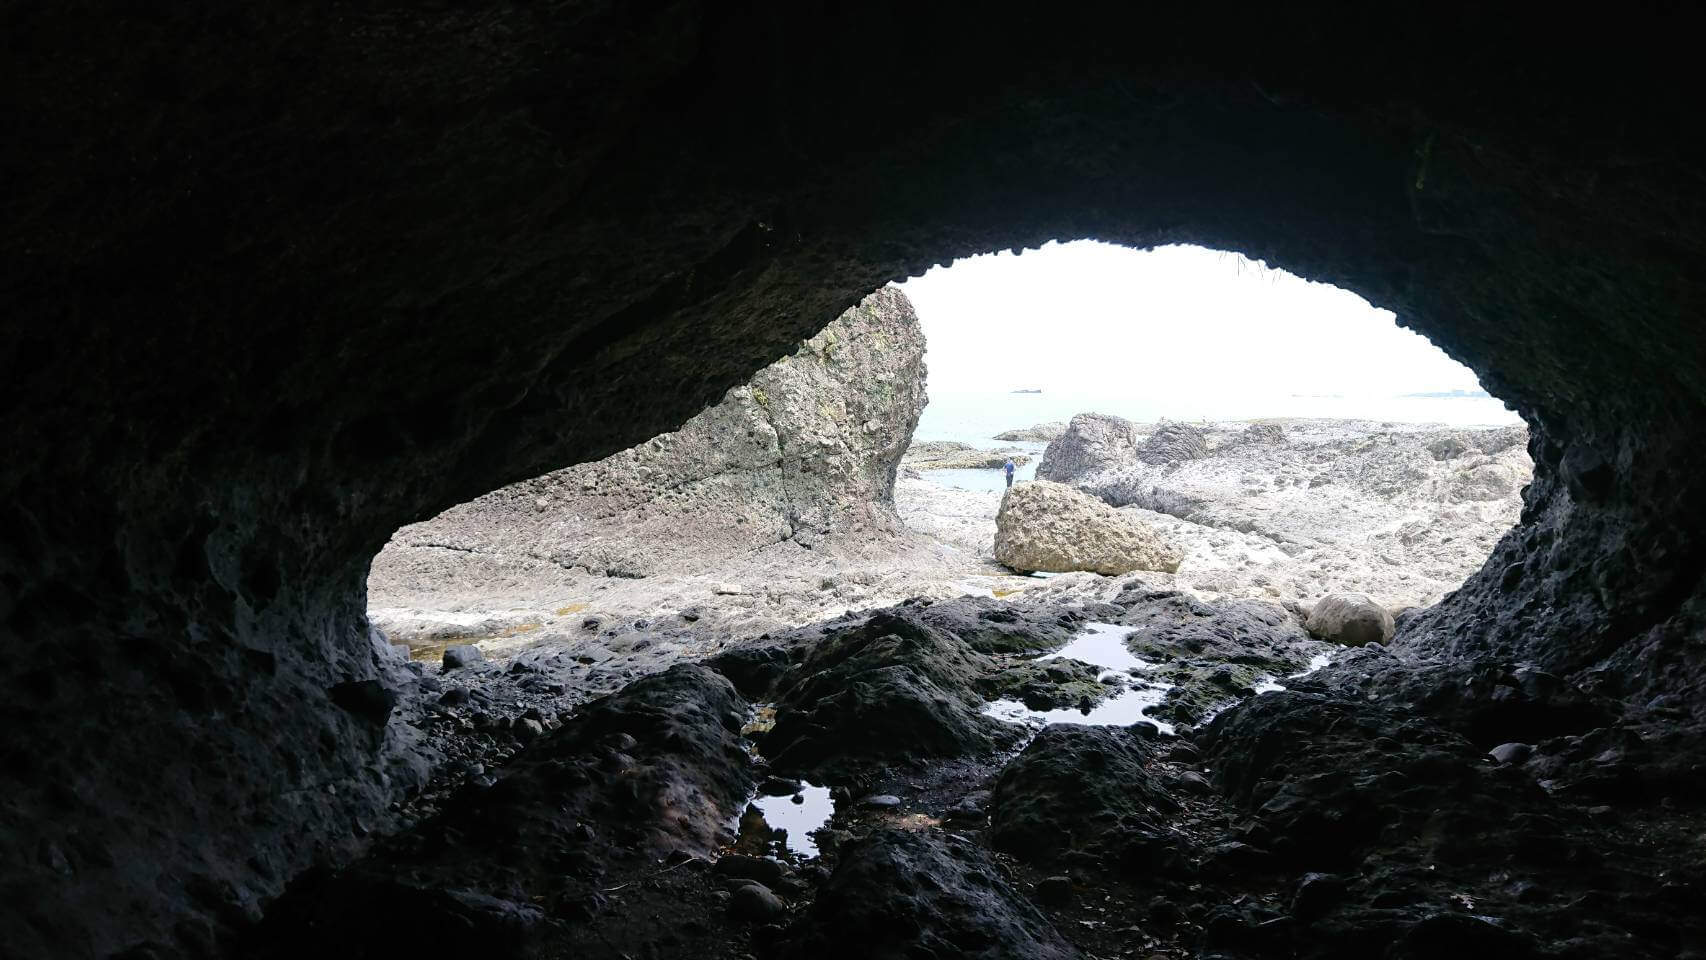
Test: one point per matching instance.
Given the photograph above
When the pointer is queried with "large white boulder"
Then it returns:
(1051, 527)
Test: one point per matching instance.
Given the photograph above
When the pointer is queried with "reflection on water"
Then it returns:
(1315, 663)
(1101, 645)
(1270, 685)
(1120, 710)
(780, 824)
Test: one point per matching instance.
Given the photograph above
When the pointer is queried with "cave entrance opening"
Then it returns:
(1265, 436)
(1249, 432)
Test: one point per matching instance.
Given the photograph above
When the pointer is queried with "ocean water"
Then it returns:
(976, 417)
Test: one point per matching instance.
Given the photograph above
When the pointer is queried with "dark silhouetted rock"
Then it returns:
(1080, 789)
(899, 895)
(756, 902)
(462, 655)
(368, 699)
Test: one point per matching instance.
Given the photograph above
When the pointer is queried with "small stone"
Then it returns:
(529, 729)
(728, 590)
(755, 902)
(1193, 783)
(1511, 753)
(739, 866)
(880, 801)
(454, 697)
(462, 655)
(1184, 752)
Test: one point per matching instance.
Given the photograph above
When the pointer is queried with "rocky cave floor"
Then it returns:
(1352, 810)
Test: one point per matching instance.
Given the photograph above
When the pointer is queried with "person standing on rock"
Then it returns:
(1009, 468)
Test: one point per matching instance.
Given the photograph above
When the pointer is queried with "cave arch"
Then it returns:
(282, 281)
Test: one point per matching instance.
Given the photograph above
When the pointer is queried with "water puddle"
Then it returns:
(785, 822)
(1101, 645)
(772, 824)
(1270, 685)
(1315, 663)
(1120, 710)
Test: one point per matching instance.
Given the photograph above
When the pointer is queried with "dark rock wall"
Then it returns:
(281, 278)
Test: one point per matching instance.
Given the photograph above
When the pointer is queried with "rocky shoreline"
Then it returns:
(1263, 805)
(861, 736)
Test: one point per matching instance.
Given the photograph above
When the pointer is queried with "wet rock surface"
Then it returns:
(899, 894)
(890, 689)
(657, 770)
(1357, 813)
(1080, 795)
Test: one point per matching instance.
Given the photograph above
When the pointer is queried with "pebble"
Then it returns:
(880, 801)
(1511, 753)
(1194, 783)
(754, 901)
(739, 866)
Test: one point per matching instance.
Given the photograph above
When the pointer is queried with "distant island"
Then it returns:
(1452, 395)
(1027, 391)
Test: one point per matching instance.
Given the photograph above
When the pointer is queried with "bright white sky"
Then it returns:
(1181, 320)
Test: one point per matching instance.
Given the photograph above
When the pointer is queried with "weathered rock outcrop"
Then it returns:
(282, 278)
(952, 455)
(890, 688)
(1298, 508)
(1091, 443)
(1078, 790)
(1171, 442)
(1041, 433)
(900, 894)
(1051, 527)
(806, 451)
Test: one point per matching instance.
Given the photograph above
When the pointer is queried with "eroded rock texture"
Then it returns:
(805, 451)
(1052, 527)
(282, 278)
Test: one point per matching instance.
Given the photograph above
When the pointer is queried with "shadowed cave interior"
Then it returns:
(283, 281)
